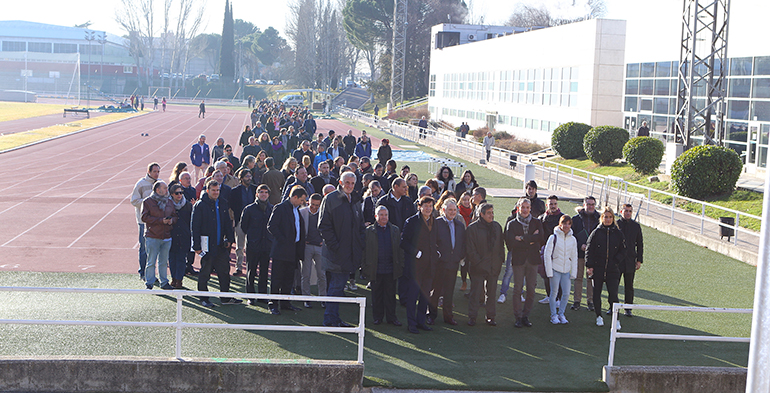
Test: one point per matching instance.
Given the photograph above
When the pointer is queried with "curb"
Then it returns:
(68, 134)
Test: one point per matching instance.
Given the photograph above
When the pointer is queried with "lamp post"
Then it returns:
(90, 36)
(102, 39)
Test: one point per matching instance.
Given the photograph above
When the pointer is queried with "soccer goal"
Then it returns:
(160, 92)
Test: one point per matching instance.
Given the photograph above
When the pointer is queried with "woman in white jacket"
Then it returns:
(561, 266)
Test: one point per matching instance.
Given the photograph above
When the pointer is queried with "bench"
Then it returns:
(75, 110)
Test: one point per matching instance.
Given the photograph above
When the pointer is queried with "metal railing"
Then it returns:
(179, 323)
(608, 190)
(412, 104)
(614, 334)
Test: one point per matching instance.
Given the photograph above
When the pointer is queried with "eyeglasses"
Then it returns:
(179, 193)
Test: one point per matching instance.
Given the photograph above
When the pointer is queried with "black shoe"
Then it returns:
(232, 300)
(395, 322)
(323, 304)
(575, 306)
(377, 321)
(413, 329)
(425, 327)
(609, 312)
(167, 287)
(591, 307)
(345, 324)
(192, 272)
(471, 321)
(629, 314)
(275, 311)
(148, 286)
(518, 324)
(491, 322)
(290, 308)
(429, 321)
(525, 321)
(206, 303)
(450, 321)
(308, 305)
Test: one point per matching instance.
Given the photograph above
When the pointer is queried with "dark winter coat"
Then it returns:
(605, 251)
(370, 259)
(526, 250)
(632, 233)
(282, 226)
(237, 201)
(582, 225)
(254, 224)
(398, 211)
(181, 236)
(484, 254)
(384, 153)
(342, 227)
(350, 144)
(204, 222)
(416, 238)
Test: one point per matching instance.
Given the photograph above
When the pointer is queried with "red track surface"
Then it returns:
(32, 123)
(70, 211)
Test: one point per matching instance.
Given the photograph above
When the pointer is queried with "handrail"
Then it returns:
(418, 102)
(179, 324)
(614, 334)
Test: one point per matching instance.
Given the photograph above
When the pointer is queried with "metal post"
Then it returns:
(179, 326)
(673, 204)
(702, 216)
(361, 329)
(613, 332)
(759, 347)
(735, 229)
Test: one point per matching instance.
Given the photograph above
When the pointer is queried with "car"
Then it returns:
(214, 77)
(293, 100)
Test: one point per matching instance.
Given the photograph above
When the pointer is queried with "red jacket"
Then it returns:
(153, 217)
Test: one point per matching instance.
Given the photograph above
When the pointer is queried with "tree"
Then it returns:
(137, 18)
(226, 52)
(302, 33)
(207, 46)
(539, 15)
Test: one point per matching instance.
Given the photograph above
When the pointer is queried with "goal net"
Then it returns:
(160, 92)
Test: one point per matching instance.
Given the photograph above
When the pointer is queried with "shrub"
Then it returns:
(644, 153)
(404, 115)
(567, 139)
(604, 144)
(705, 171)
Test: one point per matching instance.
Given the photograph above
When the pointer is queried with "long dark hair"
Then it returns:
(441, 170)
(473, 178)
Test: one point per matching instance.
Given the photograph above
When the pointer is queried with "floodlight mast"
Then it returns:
(701, 103)
(399, 52)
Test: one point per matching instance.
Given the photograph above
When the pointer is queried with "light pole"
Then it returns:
(90, 36)
(102, 39)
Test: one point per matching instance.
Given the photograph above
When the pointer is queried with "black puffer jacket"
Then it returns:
(181, 235)
(605, 251)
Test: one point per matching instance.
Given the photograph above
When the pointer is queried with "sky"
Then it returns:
(263, 13)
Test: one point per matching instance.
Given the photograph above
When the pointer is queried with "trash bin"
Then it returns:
(512, 160)
(726, 227)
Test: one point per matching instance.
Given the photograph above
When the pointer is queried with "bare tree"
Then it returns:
(136, 17)
(301, 29)
(541, 15)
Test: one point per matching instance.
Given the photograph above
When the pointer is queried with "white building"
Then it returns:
(528, 83)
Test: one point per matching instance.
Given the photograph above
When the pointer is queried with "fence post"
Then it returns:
(179, 326)
(702, 216)
(737, 224)
(673, 204)
(361, 329)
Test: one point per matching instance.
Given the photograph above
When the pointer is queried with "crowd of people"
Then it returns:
(298, 202)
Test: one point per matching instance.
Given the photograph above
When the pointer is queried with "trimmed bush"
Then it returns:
(705, 171)
(644, 153)
(604, 144)
(567, 139)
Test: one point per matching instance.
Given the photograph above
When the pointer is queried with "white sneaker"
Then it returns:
(618, 326)
(501, 299)
(544, 300)
(599, 321)
(523, 299)
(555, 319)
(563, 320)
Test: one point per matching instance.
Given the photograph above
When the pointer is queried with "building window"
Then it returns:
(14, 46)
(645, 105)
(432, 86)
(630, 104)
(648, 70)
(646, 87)
(740, 66)
(128, 69)
(662, 87)
(761, 88)
(663, 69)
(661, 106)
(42, 47)
(632, 70)
(762, 65)
(739, 88)
(65, 48)
(738, 110)
(760, 111)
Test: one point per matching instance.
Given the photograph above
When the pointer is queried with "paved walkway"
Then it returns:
(33, 123)
(751, 183)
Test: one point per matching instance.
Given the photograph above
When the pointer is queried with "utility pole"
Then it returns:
(90, 36)
(399, 52)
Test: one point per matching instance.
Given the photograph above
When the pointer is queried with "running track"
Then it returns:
(65, 205)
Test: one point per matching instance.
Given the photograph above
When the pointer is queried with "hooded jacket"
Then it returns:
(561, 254)
(605, 251)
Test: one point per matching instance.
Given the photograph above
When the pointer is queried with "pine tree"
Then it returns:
(226, 54)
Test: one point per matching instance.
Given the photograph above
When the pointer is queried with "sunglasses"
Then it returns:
(179, 193)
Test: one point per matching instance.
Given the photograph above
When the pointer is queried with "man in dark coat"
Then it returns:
(350, 143)
(241, 196)
(582, 224)
(643, 130)
(304, 150)
(259, 241)
(323, 178)
(300, 179)
(632, 232)
(288, 247)
(538, 206)
(524, 237)
(274, 180)
(400, 207)
(342, 229)
(252, 149)
(451, 247)
(309, 125)
(383, 264)
(418, 239)
(485, 255)
(212, 235)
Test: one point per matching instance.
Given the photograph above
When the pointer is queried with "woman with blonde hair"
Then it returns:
(178, 169)
(605, 251)
(289, 167)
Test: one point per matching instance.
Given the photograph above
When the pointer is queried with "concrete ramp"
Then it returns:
(352, 97)
(152, 375)
(669, 379)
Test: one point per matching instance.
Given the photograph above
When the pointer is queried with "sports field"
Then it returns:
(70, 225)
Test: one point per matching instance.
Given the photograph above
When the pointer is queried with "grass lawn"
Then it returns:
(741, 200)
(24, 110)
(23, 138)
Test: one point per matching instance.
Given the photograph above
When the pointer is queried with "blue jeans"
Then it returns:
(142, 251)
(507, 276)
(177, 262)
(559, 280)
(336, 283)
(157, 252)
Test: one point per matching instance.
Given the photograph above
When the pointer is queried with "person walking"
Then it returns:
(383, 264)
(159, 215)
(489, 141)
(259, 241)
(142, 190)
(451, 247)
(200, 157)
(313, 249)
(523, 237)
(342, 229)
(605, 252)
(180, 236)
(560, 256)
(288, 248)
(212, 235)
(384, 152)
(484, 254)
(632, 232)
(241, 196)
(202, 109)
